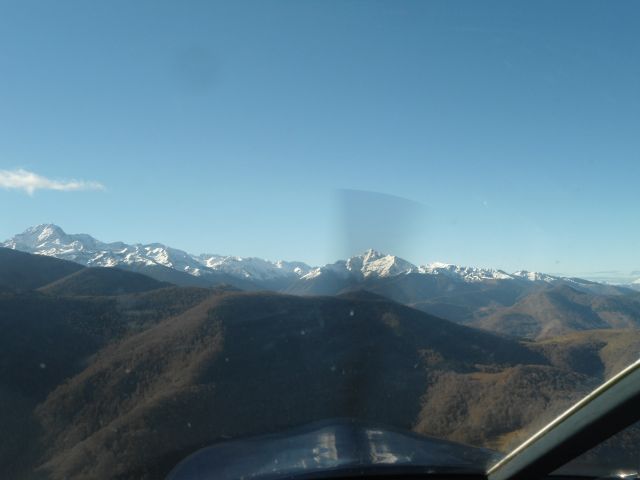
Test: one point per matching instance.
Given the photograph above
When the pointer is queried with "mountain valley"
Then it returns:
(106, 372)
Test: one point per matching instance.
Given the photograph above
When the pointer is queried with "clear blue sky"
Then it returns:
(228, 126)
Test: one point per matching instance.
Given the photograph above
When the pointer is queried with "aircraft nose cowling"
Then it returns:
(331, 448)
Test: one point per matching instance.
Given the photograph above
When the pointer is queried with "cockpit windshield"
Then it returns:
(391, 233)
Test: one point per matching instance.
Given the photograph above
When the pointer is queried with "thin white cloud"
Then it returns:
(30, 182)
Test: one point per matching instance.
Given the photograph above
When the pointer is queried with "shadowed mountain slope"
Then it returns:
(100, 281)
(247, 363)
(124, 386)
(46, 339)
(170, 275)
(23, 271)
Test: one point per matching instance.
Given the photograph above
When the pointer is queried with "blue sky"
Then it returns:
(228, 127)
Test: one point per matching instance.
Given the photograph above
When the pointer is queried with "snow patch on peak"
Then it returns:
(465, 274)
(48, 231)
(371, 255)
(253, 268)
(338, 268)
(535, 276)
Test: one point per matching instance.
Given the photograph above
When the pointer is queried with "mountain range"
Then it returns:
(107, 373)
(170, 264)
(154, 259)
(124, 383)
(51, 240)
(520, 304)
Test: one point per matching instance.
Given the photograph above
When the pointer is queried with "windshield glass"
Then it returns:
(617, 457)
(225, 221)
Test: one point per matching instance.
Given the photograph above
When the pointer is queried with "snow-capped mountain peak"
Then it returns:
(378, 265)
(49, 239)
(370, 264)
(39, 235)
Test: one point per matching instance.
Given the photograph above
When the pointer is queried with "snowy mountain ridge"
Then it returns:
(51, 240)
